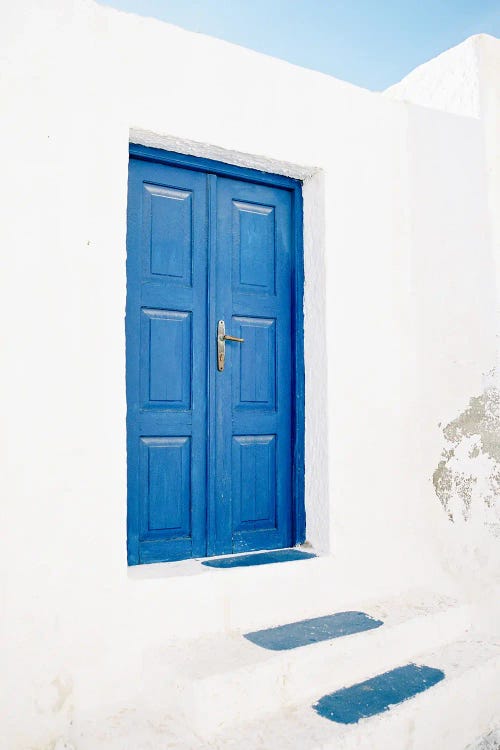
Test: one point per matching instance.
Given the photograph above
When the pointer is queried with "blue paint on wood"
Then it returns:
(259, 558)
(253, 501)
(207, 241)
(166, 384)
(298, 373)
(166, 478)
(349, 705)
(305, 632)
(197, 163)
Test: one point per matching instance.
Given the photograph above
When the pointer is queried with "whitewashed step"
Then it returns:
(216, 682)
(448, 716)
(211, 600)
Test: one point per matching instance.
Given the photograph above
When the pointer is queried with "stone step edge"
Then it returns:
(425, 721)
(283, 679)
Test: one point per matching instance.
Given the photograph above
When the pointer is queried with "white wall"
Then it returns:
(398, 315)
(462, 81)
(465, 80)
(448, 82)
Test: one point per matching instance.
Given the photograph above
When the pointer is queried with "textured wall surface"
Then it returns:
(491, 741)
(467, 479)
(399, 331)
(466, 81)
(448, 82)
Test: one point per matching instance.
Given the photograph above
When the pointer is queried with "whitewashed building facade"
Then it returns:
(401, 251)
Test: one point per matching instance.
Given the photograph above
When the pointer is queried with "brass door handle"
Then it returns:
(221, 344)
(233, 338)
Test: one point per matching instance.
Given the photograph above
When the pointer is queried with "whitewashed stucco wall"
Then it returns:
(398, 307)
(448, 82)
(466, 81)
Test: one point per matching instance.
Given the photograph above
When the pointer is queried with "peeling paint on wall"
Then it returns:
(490, 741)
(467, 478)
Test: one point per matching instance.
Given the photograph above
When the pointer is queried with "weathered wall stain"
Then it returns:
(467, 478)
(53, 696)
(490, 741)
(482, 417)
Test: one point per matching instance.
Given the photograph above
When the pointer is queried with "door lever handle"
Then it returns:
(233, 338)
(221, 344)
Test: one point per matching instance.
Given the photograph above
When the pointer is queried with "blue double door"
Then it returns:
(209, 418)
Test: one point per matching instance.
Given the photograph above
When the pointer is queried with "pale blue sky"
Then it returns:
(369, 43)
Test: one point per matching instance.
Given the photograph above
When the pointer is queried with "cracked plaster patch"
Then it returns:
(467, 478)
(490, 741)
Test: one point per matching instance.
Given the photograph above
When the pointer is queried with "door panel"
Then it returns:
(253, 393)
(209, 452)
(166, 380)
(165, 501)
(254, 248)
(254, 474)
(255, 364)
(169, 254)
(166, 356)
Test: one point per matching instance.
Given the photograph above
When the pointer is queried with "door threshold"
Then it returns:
(258, 558)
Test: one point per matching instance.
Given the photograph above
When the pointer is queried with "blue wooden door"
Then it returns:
(253, 496)
(209, 449)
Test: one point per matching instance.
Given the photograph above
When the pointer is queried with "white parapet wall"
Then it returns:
(400, 335)
(463, 81)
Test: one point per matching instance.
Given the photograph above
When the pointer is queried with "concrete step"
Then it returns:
(209, 600)
(448, 716)
(213, 683)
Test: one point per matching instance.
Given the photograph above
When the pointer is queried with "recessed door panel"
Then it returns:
(254, 251)
(166, 348)
(254, 482)
(166, 490)
(169, 253)
(255, 363)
